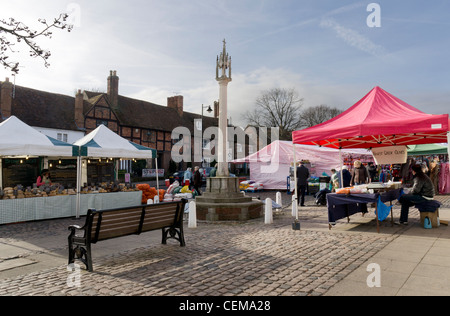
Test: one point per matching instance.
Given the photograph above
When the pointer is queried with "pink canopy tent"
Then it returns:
(377, 120)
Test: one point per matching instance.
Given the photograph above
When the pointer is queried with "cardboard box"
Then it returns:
(433, 216)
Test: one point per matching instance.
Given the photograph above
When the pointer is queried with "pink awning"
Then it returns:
(377, 120)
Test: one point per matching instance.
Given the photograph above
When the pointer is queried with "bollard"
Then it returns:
(278, 199)
(294, 206)
(192, 215)
(268, 219)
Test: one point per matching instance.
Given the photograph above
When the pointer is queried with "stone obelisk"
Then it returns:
(223, 64)
(222, 199)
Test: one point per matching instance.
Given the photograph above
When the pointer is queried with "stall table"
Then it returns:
(345, 205)
(39, 208)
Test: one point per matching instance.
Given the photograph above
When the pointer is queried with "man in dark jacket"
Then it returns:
(422, 191)
(302, 182)
(197, 180)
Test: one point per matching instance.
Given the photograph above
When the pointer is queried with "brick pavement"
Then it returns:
(220, 259)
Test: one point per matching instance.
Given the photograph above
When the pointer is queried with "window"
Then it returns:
(61, 136)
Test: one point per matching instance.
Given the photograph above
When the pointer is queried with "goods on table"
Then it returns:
(176, 192)
(149, 192)
(19, 192)
(369, 188)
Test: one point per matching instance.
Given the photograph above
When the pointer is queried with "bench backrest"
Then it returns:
(106, 224)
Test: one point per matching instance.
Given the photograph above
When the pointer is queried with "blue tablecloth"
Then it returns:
(344, 205)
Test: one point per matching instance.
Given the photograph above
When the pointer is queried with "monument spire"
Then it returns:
(222, 199)
(223, 63)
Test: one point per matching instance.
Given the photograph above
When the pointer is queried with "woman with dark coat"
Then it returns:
(359, 174)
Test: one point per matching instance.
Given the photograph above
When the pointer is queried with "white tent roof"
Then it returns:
(102, 142)
(20, 139)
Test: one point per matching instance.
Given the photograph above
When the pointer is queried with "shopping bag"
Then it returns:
(383, 210)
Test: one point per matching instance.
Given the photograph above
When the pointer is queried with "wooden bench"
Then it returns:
(113, 223)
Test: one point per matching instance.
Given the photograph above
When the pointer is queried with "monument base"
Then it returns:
(223, 201)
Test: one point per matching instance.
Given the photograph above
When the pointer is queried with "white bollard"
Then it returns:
(278, 199)
(149, 201)
(192, 215)
(268, 219)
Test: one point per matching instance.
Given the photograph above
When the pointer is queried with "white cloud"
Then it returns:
(353, 38)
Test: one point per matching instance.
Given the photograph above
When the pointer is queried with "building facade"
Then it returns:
(70, 118)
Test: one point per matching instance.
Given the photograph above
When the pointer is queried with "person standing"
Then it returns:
(188, 177)
(372, 169)
(359, 174)
(346, 175)
(434, 174)
(334, 180)
(197, 180)
(302, 182)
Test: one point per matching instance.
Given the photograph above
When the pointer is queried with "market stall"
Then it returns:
(104, 143)
(26, 151)
(378, 120)
(271, 165)
(434, 155)
(20, 143)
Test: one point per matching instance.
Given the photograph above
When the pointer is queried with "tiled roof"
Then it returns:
(52, 110)
(44, 109)
(143, 114)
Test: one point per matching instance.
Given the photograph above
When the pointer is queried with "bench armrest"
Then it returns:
(73, 227)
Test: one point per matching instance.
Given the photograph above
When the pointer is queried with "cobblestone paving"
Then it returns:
(220, 259)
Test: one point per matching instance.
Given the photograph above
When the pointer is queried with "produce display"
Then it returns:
(19, 192)
(149, 193)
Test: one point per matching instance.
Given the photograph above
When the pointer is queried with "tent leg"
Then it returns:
(341, 184)
(295, 181)
(78, 187)
(157, 177)
(376, 215)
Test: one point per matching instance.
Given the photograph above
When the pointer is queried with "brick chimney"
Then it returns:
(113, 88)
(79, 116)
(6, 98)
(176, 102)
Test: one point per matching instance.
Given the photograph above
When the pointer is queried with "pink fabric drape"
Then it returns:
(444, 179)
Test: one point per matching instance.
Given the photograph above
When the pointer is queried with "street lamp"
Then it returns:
(209, 110)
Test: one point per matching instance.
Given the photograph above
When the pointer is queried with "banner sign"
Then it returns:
(390, 155)
(151, 173)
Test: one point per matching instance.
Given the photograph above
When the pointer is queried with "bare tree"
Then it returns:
(317, 114)
(277, 108)
(12, 32)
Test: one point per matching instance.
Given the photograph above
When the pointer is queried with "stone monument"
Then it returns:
(222, 199)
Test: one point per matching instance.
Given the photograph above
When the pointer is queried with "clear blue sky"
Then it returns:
(324, 49)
